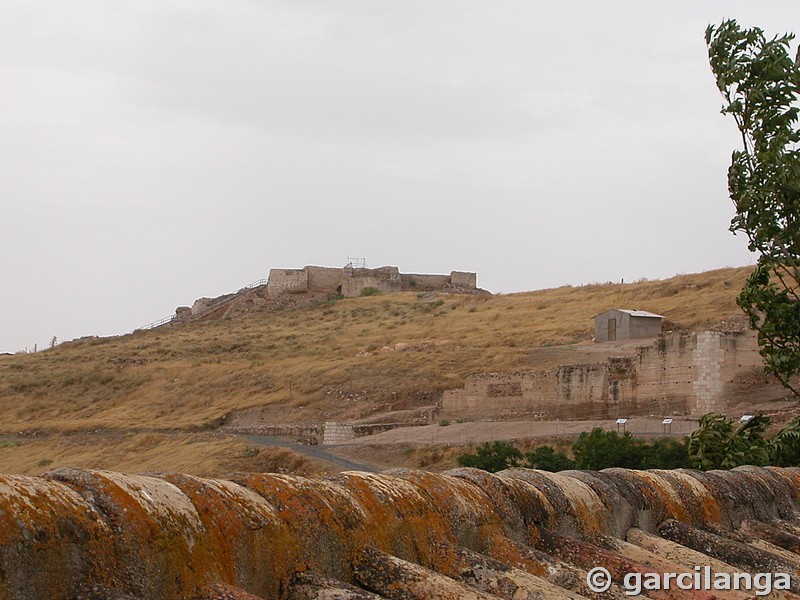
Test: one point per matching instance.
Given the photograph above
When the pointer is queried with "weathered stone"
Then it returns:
(96, 535)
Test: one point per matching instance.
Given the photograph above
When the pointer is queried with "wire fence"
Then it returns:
(155, 324)
(464, 432)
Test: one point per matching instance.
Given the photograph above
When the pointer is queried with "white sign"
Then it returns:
(622, 421)
(746, 417)
(666, 422)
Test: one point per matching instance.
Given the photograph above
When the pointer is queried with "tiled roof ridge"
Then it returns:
(77, 533)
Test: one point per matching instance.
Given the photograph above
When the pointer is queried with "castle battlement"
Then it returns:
(350, 281)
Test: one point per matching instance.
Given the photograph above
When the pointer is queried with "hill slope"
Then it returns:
(349, 359)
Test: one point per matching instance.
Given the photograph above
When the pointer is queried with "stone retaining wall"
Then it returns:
(679, 372)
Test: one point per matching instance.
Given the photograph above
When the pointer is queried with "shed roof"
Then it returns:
(633, 313)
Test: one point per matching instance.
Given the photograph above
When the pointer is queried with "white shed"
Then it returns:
(622, 324)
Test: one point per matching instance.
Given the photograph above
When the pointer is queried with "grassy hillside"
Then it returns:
(203, 454)
(327, 360)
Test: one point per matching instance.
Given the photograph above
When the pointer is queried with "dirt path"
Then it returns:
(315, 452)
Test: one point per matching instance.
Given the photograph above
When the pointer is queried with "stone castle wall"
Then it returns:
(680, 373)
(323, 279)
(350, 281)
(463, 279)
(300, 287)
(423, 282)
(287, 281)
(384, 279)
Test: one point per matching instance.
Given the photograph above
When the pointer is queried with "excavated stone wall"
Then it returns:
(400, 534)
(680, 372)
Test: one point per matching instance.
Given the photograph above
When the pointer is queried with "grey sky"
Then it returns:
(153, 152)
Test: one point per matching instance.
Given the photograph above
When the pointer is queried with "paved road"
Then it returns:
(315, 452)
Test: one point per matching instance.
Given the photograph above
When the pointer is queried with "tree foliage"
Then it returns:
(600, 449)
(492, 457)
(595, 450)
(547, 458)
(784, 448)
(718, 444)
(665, 454)
(760, 84)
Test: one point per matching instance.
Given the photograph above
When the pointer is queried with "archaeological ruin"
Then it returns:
(680, 373)
(351, 281)
(300, 287)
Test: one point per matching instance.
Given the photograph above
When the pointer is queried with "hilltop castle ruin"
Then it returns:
(351, 281)
(301, 287)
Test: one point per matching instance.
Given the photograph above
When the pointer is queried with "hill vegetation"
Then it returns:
(364, 358)
(349, 358)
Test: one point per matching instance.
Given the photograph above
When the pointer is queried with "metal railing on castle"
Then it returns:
(169, 319)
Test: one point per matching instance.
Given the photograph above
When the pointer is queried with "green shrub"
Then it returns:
(370, 291)
(444, 422)
(601, 449)
(666, 454)
(785, 446)
(546, 458)
(492, 457)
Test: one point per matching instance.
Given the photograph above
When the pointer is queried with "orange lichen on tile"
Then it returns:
(464, 533)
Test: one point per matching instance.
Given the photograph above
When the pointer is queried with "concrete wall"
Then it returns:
(628, 327)
(601, 324)
(643, 327)
(283, 281)
(681, 373)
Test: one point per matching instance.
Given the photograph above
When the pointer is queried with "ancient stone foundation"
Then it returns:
(82, 534)
(678, 373)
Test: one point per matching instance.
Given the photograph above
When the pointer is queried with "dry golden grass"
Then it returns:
(325, 361)
(205, 455)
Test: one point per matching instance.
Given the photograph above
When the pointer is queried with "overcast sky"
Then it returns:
(156, 151)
